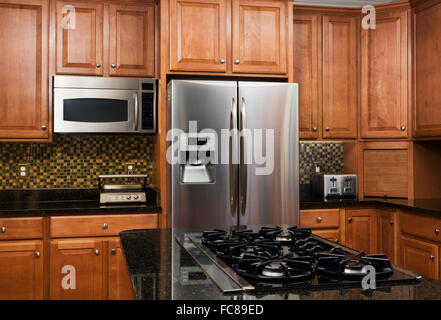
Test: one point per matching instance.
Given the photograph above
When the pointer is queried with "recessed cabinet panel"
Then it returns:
(305, 45)
(339, 77)
(198, 35)
(420, 257)
(259, 36)
(132, 40)
(79, 38)
(385, 78)
(24, 103)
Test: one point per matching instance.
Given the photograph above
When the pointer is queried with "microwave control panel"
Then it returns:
(148, 107)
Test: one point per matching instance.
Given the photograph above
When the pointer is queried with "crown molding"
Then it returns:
(343, 3)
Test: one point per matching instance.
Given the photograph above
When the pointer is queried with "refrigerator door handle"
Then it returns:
(233, 158)
(243, 165)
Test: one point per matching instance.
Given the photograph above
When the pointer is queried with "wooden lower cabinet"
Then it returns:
(329, 234)
(119, 283)
(21, 270)
(387, 234)
(361, 230)
(76, 269)
(89, 269)
(419, 256)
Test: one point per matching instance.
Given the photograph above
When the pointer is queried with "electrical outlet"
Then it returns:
(130, 168)
(23, 170)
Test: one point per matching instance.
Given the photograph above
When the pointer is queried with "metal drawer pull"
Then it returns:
(37, 254)
(97, 252)
(319, 219)
(113, 251)
(105, 226)
(432, 257)
(437, 231)
(3, 229)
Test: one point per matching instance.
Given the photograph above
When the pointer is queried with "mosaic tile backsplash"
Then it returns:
(329, 155)
(73, 161)
(76, 161)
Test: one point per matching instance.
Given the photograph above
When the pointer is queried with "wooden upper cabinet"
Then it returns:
(305, 45)
(339, 77)
(132, 40)
(198, 35)
(426, 72)
(79, 28)
(384, 53)
(259, 36)
(24, 103)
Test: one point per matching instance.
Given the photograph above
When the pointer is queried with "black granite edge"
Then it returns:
(63, 201)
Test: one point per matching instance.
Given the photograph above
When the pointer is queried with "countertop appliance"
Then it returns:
(228, 189)
(111, 192)
(284, 258)
(334, 185)
(104, 105)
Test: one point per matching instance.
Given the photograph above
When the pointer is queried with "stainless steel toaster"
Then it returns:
(334, 185)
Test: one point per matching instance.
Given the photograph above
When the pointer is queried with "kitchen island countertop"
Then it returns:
(160, 269)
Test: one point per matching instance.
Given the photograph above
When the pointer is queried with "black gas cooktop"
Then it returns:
(286, 258)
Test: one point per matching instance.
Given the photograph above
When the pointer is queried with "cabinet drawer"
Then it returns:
(329, 234)
(103, 225)
(21, 228)
(421, 226)
(319, 218)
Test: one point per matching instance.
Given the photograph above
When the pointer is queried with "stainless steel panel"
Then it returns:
(274, 198)
(208, 103)
(84, 82)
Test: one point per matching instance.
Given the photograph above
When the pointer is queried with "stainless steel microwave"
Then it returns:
(104, 105)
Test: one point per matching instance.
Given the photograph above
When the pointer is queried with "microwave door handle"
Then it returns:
(233, 158)
(243, 165)
(135, 96)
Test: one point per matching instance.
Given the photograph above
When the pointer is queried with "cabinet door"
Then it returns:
(120, 285)
(419, 256)
(384, 91)
(24, 106)
(386, 234)
(361, 230)
(259, 43)
(76, 269)
(21, 270)
(79, 38)
(198, 35)
(426, 44)
(339, 77)
(305, 45)
(132, 40)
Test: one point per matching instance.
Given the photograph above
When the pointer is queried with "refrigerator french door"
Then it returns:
(235, 153)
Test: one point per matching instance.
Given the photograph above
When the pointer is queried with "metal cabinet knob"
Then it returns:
(432, 257)
(43, 127)
(327, 129)
(105, 226)
(222, 61)
(403, 128)
(97, 252)
(113, 65)
(349, 220)
(3, 229)
(37, 254)
(437, 231)
(391, 222)
(314, 129)
(98, 65)
(113, 251)
(319, 219)
(237, 61)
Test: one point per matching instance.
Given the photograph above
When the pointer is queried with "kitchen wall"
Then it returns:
(329, 155)
(76, 161)
(73, 161)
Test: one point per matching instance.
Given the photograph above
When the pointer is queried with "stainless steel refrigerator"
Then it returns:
(219, 180)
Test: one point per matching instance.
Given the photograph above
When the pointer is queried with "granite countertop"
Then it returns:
(160, 269)
(62, 201)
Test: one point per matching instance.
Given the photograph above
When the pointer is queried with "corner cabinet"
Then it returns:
(90, 41)
(229, 36)
(24, 103)
(385, 80)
